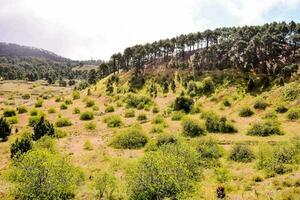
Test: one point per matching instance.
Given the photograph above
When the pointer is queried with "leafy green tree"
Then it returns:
(5, 129)
(43, 127)
(20, 146)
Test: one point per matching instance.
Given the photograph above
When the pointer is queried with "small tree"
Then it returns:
(20, 146)
(105, 184)
(5, 129)
(43, 127)
(250, 85)
(173, 86)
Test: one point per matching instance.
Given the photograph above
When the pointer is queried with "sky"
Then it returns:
(95, 29)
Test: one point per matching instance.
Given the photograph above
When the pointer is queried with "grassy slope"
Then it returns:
(241, 184)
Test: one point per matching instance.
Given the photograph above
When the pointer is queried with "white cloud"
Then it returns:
(82, 29)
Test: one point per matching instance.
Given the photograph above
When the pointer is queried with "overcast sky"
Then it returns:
(85, 29)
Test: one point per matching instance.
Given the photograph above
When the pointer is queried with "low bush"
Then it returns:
(60, 133)
(113, 121)
(293, 114)
(241, 153)
(51, 110)
(12, 120)
(155, 109)
(209, 152)
(142, 117)
(246, 112)
(265, 129)
(109, 109)
(131, 138)
(26, 96)
(183, 103)
(68, 101)
(281, 109)
(9, 113)
(214, 124)
(177, 115)
(157, 129)
(95, 108)
(137, 101)
(62, 122)
(164, 139)
(39, 103)
(90, 103)
(226, 103)
(222, 174)
(34, 112)
(76, 94)
(158, 120)
(87, 115)
(270, 115)
(63, 106)
(261, 105)
(192, 127)
(22, 109)
(88, 145)
(129, 113)
(105, 185)
(76, 110)
(90, 126)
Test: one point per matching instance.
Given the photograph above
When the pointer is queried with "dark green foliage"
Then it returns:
(289, 70)
(136, 82)
(265, 129)
(214, 124)
(241, 153)
(183, 103)
(164, 139)
(129, 113)
(246, 112)
(250, 85)
(22, 109)
(63, 106)
(87, 115)
(226, 103)
(165, 87)
(153, 90)
(142, 117)
(131, 138)
(293, 114)
(9, 113)
(208, 87)
(43, 127)
(177, 115)
(39, 103)
(5, 129)
(192, 127)
(260, 105)
(281, 109)
(113, 121)
(137, 101)
(90, 103)
(20, 146)
(26, 96)
(209, 152)
(173, 86)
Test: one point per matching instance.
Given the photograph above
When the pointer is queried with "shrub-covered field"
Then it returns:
(198, 139)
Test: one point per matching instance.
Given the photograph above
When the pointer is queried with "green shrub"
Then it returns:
(109, 109)
(183, 103)
(39, 103)
(76, 94)
(192, 127)
(281, 109)
(261, 105)
(214, 124)
(265, 129)
(137, 101)
(40, 174)
(51, 110)
(12, 120)
(90, 126)
(209, 152)
(157, 129)
(164, 139)
(291, 93)
(222, 174)
(113, 121)
(90, 103)
(26, 96)
(158, 120)
(174, 169)
(59, 99)
(155, 109)
(95, 108)
(62, 122)
(22, 109)
(105, 185)
(129, 113)
(87, 115)
(5, 129)
(20, 146)
(63, 106)
(33, 120)
(9, 113)
(131, 138)
(177, 115)
(293, 114)
(270, 115)
(241, 153)
(58, 133)
(88, 145)
(142, 117)
(68, 101)
(34, 112)
(76, 110)
(226, 103)
(246, 112)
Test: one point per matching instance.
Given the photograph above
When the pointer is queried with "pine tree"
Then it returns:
(43, 127)
(5, 129)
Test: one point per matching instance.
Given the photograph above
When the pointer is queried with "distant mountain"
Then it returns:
(10, 49)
